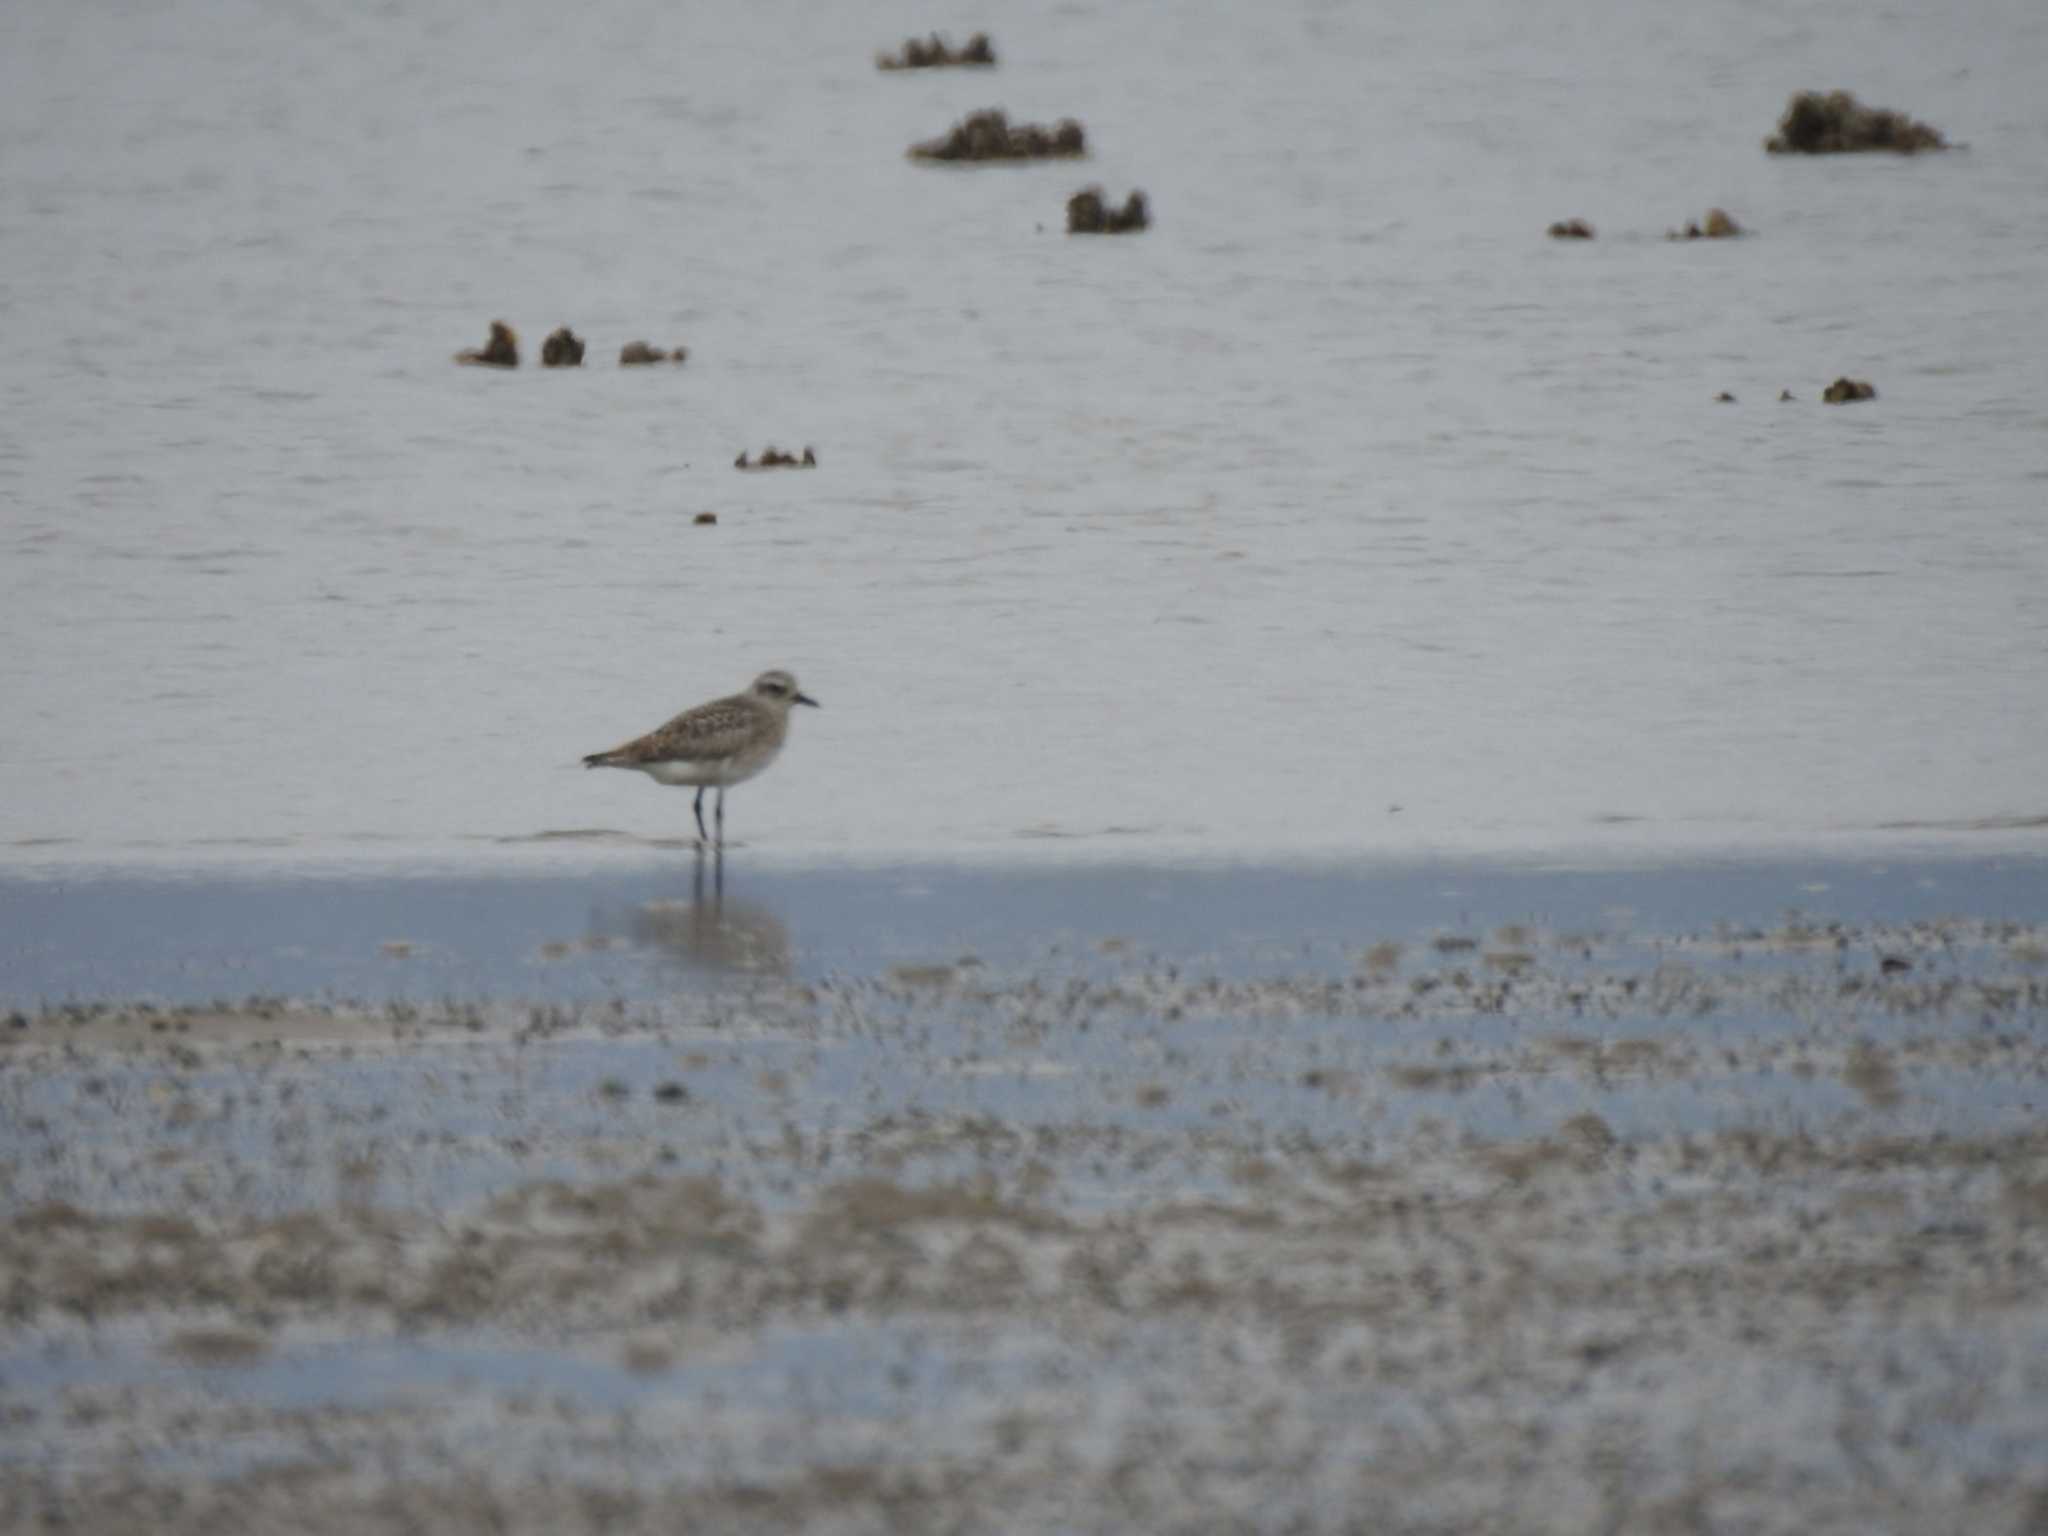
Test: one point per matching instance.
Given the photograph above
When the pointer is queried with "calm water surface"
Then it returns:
(1340, 512)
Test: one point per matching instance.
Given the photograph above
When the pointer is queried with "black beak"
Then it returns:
(805, 698)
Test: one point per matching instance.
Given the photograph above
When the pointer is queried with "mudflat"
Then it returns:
(1439, 1200)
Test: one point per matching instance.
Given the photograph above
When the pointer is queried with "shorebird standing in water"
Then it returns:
(715, 745)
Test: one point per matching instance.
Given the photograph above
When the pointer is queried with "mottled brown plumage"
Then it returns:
(708, 734)
(715, 745)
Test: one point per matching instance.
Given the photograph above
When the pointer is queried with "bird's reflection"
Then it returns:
(708, 932)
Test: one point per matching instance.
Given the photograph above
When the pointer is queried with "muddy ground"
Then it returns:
(1740, 1226)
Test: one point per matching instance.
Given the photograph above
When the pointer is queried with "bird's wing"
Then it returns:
(713, 730)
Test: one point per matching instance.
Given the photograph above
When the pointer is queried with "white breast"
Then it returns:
(714, 772)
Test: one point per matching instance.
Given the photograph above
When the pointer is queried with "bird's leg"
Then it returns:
(702, 835)
(721, 817)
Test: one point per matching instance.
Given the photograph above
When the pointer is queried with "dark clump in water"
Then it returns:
(562, 349)
(1571, 229)
(774, 458)
(989, 136)
(1719, 225)
(501, 351)
(935, 52)
(1844, 390)
(637, 353)
(1837, 123)
(1090, 213)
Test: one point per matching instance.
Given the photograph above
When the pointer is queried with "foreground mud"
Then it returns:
(1740, 1229)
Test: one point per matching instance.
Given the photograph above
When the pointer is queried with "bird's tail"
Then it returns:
(602, 760)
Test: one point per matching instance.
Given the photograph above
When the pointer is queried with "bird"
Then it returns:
(715, 745)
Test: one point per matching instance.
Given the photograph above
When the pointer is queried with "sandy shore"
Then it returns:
(1729, 1224)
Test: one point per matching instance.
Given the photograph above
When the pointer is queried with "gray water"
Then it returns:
(1340, 512)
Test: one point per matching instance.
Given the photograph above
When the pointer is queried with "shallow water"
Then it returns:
(1341, 511)
(647, 928)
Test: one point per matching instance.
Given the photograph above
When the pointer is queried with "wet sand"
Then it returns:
(1438, 1199)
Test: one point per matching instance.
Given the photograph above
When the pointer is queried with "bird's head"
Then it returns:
(779, 688)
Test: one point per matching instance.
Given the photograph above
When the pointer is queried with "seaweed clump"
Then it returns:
(1571, 229)
(638, 353)
(1846, 389)
(501, 351)
(1838, 124)
(989, 136)
(935, 52)
(1090, 213)
(1720, 225)
(774, 458)
(562, 349)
